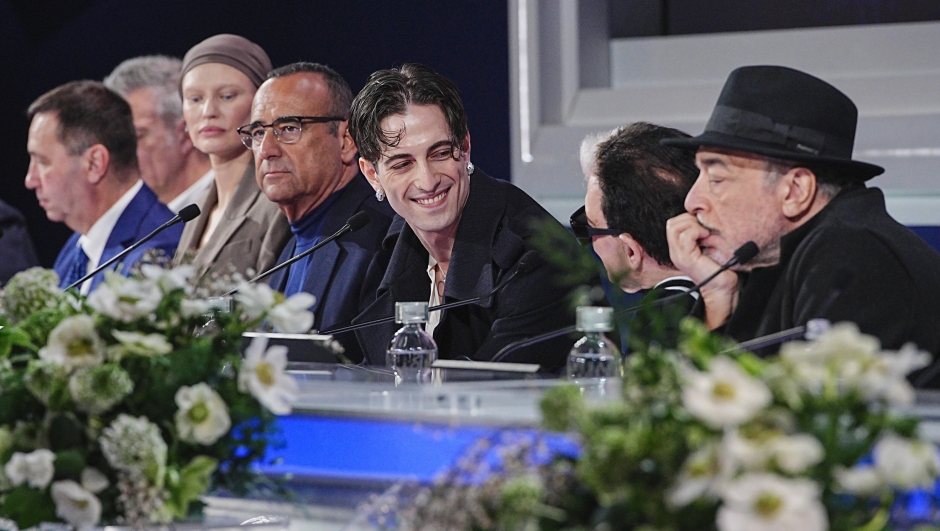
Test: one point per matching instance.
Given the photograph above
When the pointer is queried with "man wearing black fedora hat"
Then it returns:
(776, 168)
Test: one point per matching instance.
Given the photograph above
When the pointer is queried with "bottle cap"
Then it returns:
(411, 312)
(594, 319)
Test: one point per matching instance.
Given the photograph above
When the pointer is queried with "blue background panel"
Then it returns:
(356, 449)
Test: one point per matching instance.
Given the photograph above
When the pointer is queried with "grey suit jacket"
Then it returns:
(251, 234)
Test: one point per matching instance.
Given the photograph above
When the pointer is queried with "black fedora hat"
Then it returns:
(787, 114)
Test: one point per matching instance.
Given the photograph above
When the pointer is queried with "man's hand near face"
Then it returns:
(720, 295)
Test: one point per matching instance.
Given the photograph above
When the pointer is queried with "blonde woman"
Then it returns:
(239, 229)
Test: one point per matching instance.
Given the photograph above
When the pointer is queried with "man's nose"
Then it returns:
(695, 200)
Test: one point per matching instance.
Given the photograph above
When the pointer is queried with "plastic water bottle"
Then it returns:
(594, 355)
(412, 350)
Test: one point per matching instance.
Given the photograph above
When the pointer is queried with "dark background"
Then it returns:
(46, 43)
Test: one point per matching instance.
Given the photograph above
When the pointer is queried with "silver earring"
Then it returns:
(380, 195)
(470, 168)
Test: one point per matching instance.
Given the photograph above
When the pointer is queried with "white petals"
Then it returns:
(766, 502)
(202, 416)
(76, 505)
(36, 469)
(263, 374)
(725, 396)
(74, 343)
(125, 299)
(93, 480)
(135, 343)
(906, 463)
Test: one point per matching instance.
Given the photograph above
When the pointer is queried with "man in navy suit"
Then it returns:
(83, 168)
(308, 166)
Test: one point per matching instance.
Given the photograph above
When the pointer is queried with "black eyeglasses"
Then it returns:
(287, 129)
(584, 232)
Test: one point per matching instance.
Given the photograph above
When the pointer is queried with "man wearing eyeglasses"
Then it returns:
(634, 185)
(305, 161)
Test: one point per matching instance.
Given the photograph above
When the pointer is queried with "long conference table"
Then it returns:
(355, 436)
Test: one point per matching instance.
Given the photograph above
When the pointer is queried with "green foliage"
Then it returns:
(187, 485)
(27, 507)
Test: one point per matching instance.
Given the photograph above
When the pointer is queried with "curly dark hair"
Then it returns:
(389, 92)
(644, 183)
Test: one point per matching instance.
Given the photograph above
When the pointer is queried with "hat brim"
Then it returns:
(861, 171)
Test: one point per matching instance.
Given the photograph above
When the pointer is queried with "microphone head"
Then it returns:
(528, 261)
(357, 221)
(189, 213)
(746, 253)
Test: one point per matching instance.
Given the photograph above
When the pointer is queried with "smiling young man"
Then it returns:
(458, 232)
(776, 169)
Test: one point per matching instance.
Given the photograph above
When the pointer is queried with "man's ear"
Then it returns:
(95, 162)
(632, 250)
(368, 169)
(799, 191)
(348, 147)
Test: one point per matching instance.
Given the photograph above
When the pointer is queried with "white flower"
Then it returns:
(93, 480)
(701, 477)
(262, 373)
(255, 299)
(137, 344)
(74, 343)
(75, 505)
(29, 291)
(125, 299)
(291, 316)
(853, 362)
(886, 376)
(169, 279)
(285, 315)
(35, 468)
(906, 463)
(725, 396)
(859, 480)
(202, 416)
(98, 389)
(766, 502)
(135, 446)
(795, 453)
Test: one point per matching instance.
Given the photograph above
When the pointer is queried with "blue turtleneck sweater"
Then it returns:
(308, 231)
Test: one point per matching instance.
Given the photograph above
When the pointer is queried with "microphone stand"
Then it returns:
(742, 255)
(521, 268)
(185, 215)
(356, 222)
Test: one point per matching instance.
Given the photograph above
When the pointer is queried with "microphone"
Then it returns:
(184, 216)
(526, 264)
(742, 255)
(357, 221)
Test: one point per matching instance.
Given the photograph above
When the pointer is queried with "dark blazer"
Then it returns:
(16, 248)
(338, 270)
(494, 232)
(889, 277)
(250, 235)
(141, 217)
(663, 308)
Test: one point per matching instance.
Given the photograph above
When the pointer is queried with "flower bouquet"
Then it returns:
(709, 437)
(125, 406)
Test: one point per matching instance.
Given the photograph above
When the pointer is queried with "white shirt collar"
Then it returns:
(94, 241)
(677, 288)
(191, 194)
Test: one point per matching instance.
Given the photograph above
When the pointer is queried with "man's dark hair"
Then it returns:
(340, 93)
(90, 113)
(389, 92)
(644, 183)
